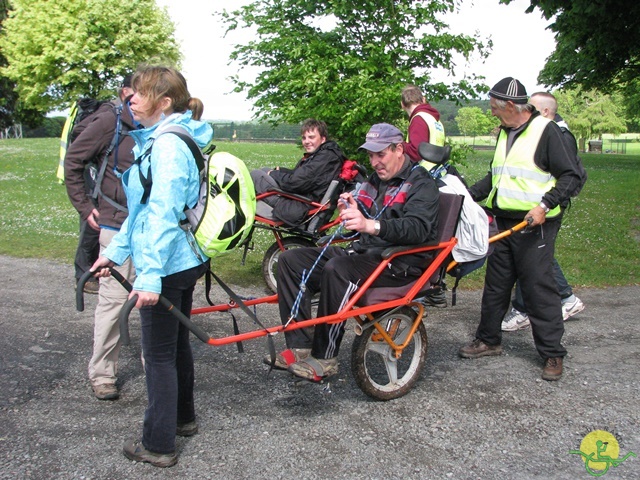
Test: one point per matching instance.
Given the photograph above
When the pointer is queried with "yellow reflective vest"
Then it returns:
(436, 134)
(518, 184)
(64, 141)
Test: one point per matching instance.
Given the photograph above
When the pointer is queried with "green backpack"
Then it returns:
(224, 214)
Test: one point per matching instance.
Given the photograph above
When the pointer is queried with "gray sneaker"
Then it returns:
(515, 320)
(569, 309)
(134, 450)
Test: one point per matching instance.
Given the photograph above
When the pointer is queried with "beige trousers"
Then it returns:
(103, 366)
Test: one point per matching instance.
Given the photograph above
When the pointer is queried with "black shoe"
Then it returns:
(187, 429)
(436, 299)
(134, 450)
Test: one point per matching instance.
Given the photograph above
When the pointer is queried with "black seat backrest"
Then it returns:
(434, 153)
(449, 210)
(331, 198)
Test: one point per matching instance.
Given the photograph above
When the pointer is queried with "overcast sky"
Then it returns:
(521, 44)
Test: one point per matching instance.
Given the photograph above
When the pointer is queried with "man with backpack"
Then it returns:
(518, 318)
(104, 147)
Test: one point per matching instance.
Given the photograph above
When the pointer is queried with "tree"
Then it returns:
(345, 62)
(11, 110)
(597, 46)
(472, 121)
(590, 114)
(59, 51)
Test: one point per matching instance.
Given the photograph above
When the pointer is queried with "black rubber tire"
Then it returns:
(376, 371)
(270, 259)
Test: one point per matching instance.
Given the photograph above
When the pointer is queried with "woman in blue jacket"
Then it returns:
(166, 257)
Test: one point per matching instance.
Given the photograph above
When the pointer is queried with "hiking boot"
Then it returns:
(478, 348)
(287, 357)
(515, 320)
(436, 299)
(187, 429)
(134, 450)
(569, 309)
(552, 370)
(92, 287)
(106, 391)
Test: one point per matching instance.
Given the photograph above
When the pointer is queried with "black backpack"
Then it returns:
(85, 108)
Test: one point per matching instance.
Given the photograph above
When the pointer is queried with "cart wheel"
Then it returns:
(376, 370)
(270, 259)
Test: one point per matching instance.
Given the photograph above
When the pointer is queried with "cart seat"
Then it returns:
(449, 209)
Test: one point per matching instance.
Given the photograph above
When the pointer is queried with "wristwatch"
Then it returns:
(376, 228)
(544, 207)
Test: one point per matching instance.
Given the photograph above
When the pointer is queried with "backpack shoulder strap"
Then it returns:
(115, 143)
(184, 135)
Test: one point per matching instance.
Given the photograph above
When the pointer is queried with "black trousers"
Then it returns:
(168, 363)
(525, 256)
(336, 276)
(88, 249)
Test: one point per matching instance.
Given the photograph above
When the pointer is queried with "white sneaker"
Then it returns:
(515, 320)
(569, 309)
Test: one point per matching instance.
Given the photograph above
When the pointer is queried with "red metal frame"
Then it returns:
(351, 309)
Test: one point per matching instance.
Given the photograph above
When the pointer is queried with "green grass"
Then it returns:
(597, 246)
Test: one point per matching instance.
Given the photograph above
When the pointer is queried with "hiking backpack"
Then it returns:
(80, 110)
(223, 216)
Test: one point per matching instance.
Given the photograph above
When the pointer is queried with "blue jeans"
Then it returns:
(564, 289)
(168, 363)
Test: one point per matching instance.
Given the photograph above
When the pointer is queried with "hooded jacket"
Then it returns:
(310, 177)
(418, 130)
(151, 234)
(91, 146)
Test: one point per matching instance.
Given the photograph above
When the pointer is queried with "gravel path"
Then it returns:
(465, 419)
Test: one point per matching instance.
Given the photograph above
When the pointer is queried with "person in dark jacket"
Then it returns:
(106, 218)
(311, 177)
(518, 318)
(397, 205)
(532, 174)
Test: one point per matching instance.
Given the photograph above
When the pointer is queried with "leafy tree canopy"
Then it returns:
(346, 61)
(590, 114)
(598, 42)
(473, 121)
(11, 110)
(59, 51)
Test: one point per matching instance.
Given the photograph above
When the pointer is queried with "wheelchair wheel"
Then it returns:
(270, 259)
(373, 364)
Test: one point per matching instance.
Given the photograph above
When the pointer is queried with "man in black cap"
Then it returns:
(397, 205)
(532, 174)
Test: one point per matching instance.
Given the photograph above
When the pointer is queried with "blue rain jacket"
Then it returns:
(151, 234)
